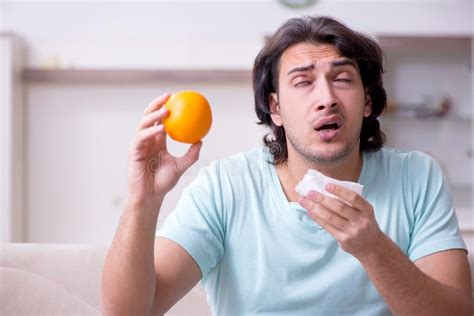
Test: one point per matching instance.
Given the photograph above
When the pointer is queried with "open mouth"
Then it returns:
(328, 127)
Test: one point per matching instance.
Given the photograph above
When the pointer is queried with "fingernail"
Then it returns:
(313, 194)
(303, 202)
(330, 187)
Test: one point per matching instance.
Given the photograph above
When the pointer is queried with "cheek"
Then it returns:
(296, 115)
(293, 105)
(351, 96)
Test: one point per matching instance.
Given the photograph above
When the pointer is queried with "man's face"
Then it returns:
(321, 102)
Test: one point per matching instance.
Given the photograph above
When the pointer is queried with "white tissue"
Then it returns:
(314, 180)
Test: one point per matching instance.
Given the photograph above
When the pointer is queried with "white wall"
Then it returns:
(77, 135)
(77, 142)
(11, 139)
(201, 33)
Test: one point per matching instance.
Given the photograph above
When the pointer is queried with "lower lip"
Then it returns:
(328, 135)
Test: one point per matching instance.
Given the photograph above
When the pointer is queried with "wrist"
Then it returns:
(376, 251)
(144, 205)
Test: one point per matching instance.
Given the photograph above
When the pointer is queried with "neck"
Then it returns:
(293, 170)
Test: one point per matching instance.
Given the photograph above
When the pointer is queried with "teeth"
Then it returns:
(328, 126)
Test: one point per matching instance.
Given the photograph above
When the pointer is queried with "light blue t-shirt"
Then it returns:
(260, 254)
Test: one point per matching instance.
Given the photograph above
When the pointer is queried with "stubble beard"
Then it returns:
(315, 156)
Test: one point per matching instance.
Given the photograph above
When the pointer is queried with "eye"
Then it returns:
(343, 79)
(303, 83)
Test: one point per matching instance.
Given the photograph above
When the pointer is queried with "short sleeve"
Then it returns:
(435, 226)
(195, 224)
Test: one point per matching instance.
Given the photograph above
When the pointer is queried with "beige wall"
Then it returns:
(76, 135)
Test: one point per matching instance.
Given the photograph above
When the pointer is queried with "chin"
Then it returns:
(329, 153)
(322, 152)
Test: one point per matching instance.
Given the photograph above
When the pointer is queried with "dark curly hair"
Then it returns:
(321, 30)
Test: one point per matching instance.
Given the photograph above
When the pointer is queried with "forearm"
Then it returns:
(406, 289)
(128, 280)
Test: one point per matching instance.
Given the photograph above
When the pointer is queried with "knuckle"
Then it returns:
(358, 230)
(365, 224)
(340, 207)
(143, 122)
(352, 197)
(319, 197)
(140, 135)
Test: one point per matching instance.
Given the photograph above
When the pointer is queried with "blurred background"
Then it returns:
(76, 76)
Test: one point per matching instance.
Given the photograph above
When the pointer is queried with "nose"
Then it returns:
(325, 97)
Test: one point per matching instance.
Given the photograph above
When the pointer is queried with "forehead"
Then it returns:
(308, 53)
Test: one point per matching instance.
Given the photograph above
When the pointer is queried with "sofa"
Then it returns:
(63, 279)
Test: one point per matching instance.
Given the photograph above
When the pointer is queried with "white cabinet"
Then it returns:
(421, 73)
(11, 139)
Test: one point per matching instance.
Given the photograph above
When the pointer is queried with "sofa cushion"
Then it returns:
(27, 293)
(76, 268)
(64, 279)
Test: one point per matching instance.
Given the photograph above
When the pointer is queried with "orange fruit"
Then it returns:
(189, 118)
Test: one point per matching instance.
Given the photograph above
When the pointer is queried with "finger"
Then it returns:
(156, 103)
(338, 207)
(148, 133)
(153, 118)
(354, 199)
(336, 233)
(190, 157)
(327, 215)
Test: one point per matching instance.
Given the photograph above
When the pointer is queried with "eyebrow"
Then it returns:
(301, 69)
(343, 62)
(337, 63)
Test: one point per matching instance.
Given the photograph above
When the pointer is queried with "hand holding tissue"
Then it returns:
(314, 180)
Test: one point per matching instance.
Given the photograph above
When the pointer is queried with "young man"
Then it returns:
(260, 248)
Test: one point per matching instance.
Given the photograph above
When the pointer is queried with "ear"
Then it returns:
(368, 103)
(275, 109)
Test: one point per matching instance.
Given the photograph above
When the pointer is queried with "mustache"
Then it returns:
(314, 120)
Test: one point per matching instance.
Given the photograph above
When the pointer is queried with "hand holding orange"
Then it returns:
(190, 117)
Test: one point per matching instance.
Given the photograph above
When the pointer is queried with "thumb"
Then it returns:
(190, 157)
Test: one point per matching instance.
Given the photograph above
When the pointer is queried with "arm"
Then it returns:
(176, 274)
(438, 284)
(135, 279)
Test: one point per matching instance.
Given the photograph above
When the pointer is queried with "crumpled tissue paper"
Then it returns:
(314, 180)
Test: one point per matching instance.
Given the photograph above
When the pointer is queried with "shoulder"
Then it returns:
(405, 159)
(418, 171)
(224, 180)
(222, 175)
(412, 170)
